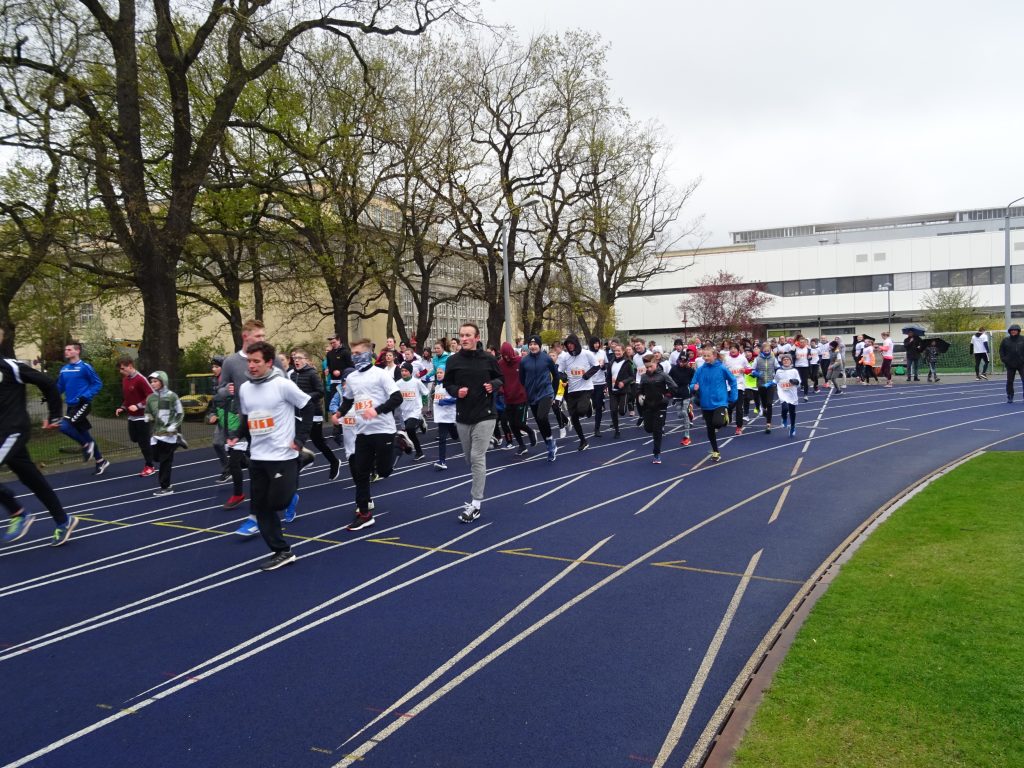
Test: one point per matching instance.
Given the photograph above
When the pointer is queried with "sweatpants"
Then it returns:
(476, 439)
(540, 411)
(736, 409)
(138, 433)
(683, 412)
(980, 363)
(597, 402)
(516, 415)
(14, 453)
(316, 436)
(1010, 373)
(163, 454)
(76, 425)
(373, 455)
(617, 403)
(654, 425)
(412, 428)
(578, 404)
(766, 394)
(273, 484)
(803, 372)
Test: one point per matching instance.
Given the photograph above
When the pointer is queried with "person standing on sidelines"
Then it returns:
(472, 375)
(982, 350)
(887, 347)
(536, 373)
(79, 383)
(135, 390)
(372, 394)
(269, 403)
(15, 429)
(1011, 352)
(577, 367)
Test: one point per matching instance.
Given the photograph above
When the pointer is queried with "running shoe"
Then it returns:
(361, 521)
(533, 439)
(277, 560)
(101, 467)
(1009, 400)
(739, 431)
(522, 451)
(147, 471)
(63, 532)
(983, 377)
(552, 449)
(508, 445)
(440, 466)
(616, 433)
(17, 527)
(495, 442)
(469, 513)
(182, 442)
(224, 477)
(234, 501)
(163, 491)
(657, 459)
(583, 446)
(419, 457)
(792, 431)
(249, 527)
(289, 513)
(804, 399)
(403, 441)
(374, 477)
(562, 433)
(686, 442)
(716, 456)
(768, 429)
(88, 451)
(306, 457)
(335, 470)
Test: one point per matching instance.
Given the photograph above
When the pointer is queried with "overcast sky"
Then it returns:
(810, 112)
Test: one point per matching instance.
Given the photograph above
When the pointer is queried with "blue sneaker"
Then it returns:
(289, 514)
(17, 527)
(249, 527)
(792, 431)
(552, 449)
(63, 532)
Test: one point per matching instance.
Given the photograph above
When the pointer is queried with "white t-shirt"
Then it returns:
(824, 351)
(638, 363)
(269, 407)
(412, 403)
(887, 345)
(978, 344)
(599, 379)
(787, 381)
(858, 350)
(443, 414)
(574, 366)
(801, 356)
(736, 366)
(370, 389)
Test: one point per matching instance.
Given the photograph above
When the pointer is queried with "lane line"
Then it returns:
(620, 456)
(778, 505)
(796, 467)
(675, 732)
(557, 488)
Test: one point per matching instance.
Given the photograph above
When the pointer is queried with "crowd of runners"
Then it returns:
(376, 405)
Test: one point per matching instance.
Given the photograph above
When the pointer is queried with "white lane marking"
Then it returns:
(778, 505)
(658, 498)
(675, 732)
(796, 467)
(620, 456)
(441, 670)
(557, 488)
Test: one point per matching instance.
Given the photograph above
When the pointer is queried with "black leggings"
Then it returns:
(14, 453)
(578, 403)
(712, 432)
(138, 432)
(767, 394)
(163, 454)
(736, 409)
(444, 432)
(654, 424)
(316, 436)
(804, 374)
(373, 455)
(412, 427)
(597, 400)
(540, 411)
(617, 402)
(516, 415)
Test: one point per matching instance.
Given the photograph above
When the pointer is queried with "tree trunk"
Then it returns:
(161, 324)
(7, 327)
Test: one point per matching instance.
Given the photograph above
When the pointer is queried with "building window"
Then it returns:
(901, 281)
(774, 288)
(845, 285)
(882, 280)
(958, 278)
(997, 276)
(808, 287)
(863, 284)
(879, 257)
(846, 330)
(921, 281)
(940, 279)
(826, 286)
(791, 288)
(862, 258)
(1017, 273)
(981, 276)
(86, 314)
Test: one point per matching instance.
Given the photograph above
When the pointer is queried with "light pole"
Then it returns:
(887, 287)
(506, 225)
(1006, 268)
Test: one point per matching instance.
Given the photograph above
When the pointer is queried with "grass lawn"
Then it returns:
(914, 657)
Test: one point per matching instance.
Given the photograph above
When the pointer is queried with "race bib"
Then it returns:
(348, 421)
(261, 423)
(362, 405)
(438, 396)
(408, 394)
(576, 371)
(787, 384)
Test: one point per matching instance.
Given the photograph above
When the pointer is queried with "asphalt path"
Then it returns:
(602, 612)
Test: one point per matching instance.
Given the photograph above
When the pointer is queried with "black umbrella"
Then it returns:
(869, 338)
(942, 344)
(915, 329)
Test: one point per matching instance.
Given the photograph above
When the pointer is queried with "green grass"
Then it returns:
(914, 657)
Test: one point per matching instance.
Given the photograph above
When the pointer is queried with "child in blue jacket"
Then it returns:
(715, 388)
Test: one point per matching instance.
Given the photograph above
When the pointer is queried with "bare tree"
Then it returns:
(724, 305)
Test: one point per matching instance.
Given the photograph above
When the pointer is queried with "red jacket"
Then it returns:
(513, 390)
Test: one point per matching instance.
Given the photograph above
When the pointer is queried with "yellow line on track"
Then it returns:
(675, 566)
(525, 552)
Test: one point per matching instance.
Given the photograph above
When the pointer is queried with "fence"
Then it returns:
(960, 357)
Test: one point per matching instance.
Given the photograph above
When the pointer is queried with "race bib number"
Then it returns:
(261, 423)
(787, 385)
(348, 421)
(408, 394)
(576, 371)
(362, 405)
(438, 397)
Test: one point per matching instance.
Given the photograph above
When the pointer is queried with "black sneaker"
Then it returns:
(306, 457)
(225, 477)
(277, 560)
(583, 446)
(335, 471)
(101, 467)
(522, 451)
(361, 521)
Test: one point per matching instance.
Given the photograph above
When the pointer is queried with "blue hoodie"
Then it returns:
(78, 382)
(535, 372)
(718, 386)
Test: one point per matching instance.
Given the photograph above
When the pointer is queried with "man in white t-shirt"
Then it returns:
(982, 350)
(279, 416)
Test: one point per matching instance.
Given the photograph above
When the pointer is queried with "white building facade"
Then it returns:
(842, 278)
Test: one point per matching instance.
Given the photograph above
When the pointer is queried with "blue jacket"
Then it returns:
(718, 386)
(78, 381)
(535, 373)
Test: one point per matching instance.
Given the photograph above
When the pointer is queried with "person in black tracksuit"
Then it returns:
(1011, 352)
(15, 428)
(621, 381)
(306, 378)
(654, 391)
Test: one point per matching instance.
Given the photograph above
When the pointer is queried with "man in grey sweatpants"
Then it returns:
(472, 375)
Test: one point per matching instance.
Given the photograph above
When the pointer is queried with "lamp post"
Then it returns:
(887, 287)
(1006, 268)
(506, 225)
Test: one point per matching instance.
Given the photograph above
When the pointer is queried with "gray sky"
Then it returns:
(798, 112)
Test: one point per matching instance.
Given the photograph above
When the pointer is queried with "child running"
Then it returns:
(682, 374)
(444, 418)
(164, 414)
(656, 388)
(716, 390)
(788, 380)
(410, 413)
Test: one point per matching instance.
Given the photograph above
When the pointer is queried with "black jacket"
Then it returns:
(655, 387)
(1011, 351)
(13, 413)
(472, 370)
(914, 345)
(682, 375)
(338, 360)
(308, 380)
(627, 373)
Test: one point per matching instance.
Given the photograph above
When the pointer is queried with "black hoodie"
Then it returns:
(1011, 349)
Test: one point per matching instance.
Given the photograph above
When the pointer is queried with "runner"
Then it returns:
(600, 380)
(515, 397)
(164, 415)
(837, 367)
(372, 394)
(736, 362)
(214, 416)
(444, 418)
(788, 381)
(473, 376)
(621, 375)
(800, 354)
(577, 368)
(716, 390)
(135, 390)
(656, 388)
(410, 413)
(79, 384)
(15, 429)
(306, 379)
(682, 375)
(269, 403)
(536, 370)
(887, 348)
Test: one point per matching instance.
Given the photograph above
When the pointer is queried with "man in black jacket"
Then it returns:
(15, 428)
(914, 346)
(472, 375)
(1011, 352)
(306, 378)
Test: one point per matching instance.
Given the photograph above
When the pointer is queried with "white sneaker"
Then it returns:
(469, 513)
(562, 433)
